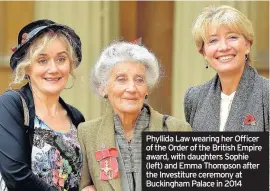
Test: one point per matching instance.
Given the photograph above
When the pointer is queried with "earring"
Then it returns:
(246, 58)
(146, 96)
(27, 77)
(73, 82)
(105, 96)
(206, 64)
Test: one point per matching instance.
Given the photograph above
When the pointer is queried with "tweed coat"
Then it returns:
(92, 134)
(202, 104)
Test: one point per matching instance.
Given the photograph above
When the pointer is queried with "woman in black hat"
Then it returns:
(39, 149)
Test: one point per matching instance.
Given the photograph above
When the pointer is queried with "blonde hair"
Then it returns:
(217, 16)
(37, 46)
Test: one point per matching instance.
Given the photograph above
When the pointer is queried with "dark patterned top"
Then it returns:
(56, 157)
(131, 151)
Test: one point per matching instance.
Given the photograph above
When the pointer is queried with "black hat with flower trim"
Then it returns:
(33, 30)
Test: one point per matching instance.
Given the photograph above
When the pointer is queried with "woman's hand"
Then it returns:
(89, 188)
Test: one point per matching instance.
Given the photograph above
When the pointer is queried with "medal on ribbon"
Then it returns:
(108, 163)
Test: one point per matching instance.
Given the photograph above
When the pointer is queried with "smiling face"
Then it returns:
(50, 70)
(127, 87)
(225, 50)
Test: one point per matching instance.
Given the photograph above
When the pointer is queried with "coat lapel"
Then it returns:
(106, 136)
(208, 115)
(155, 120)
(214, 110)
(240, 101)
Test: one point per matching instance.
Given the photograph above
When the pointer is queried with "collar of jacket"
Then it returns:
(208, 118)
(26, 91)
(105, 134)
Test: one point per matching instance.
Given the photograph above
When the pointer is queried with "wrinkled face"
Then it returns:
(225, 50)
(127, 87)
(50, 70)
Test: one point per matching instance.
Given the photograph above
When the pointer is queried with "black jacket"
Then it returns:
(16, 140)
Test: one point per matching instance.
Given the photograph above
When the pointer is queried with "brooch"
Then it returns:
(25, 38)
(249, 120)
(108, 163)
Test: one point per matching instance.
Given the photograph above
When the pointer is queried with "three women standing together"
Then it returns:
(39, 148)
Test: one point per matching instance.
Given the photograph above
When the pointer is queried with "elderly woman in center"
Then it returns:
(237, 98)
(123, 75)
